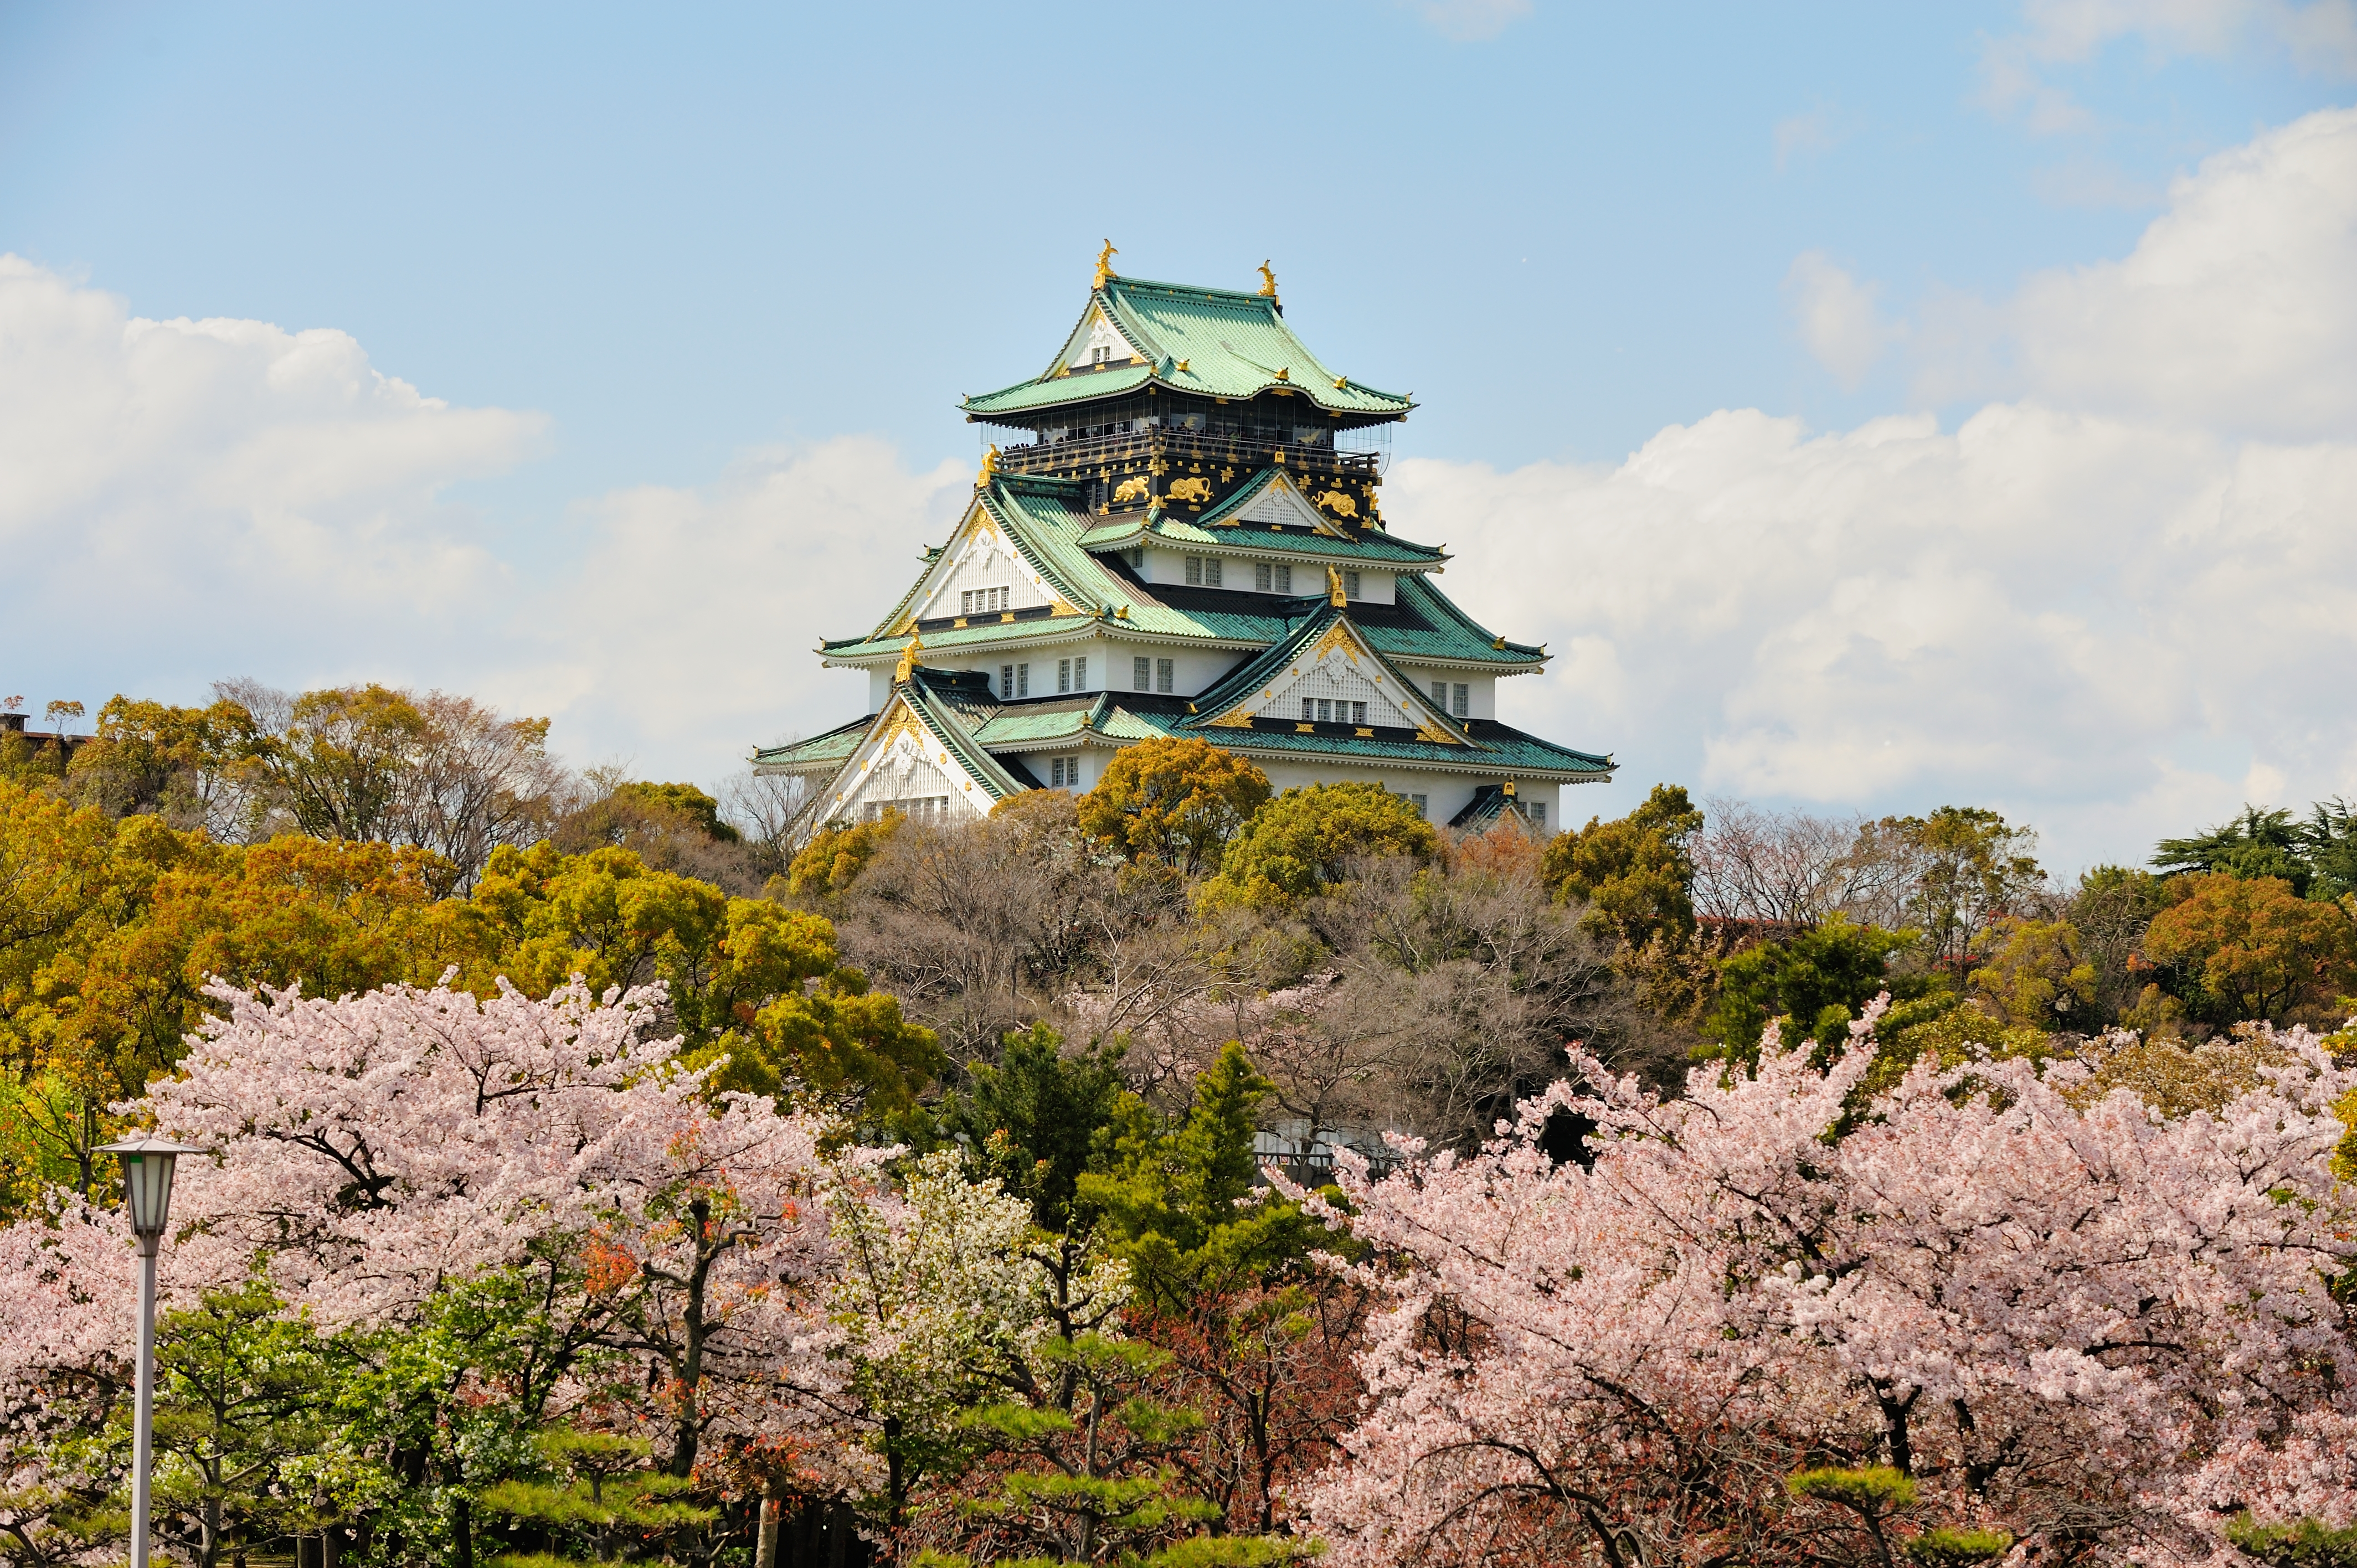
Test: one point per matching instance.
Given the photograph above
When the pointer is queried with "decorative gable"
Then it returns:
(1281, 500)
(1336, 669)
(979, 573)
(902, 766)
(1098, 342)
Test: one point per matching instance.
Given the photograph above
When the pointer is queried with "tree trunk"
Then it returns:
(765, 1537)
(840, 1534)
(462, 1533)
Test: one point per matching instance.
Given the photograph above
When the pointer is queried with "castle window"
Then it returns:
(1350, 585)
(1166, 674)
(1285, 579)
(1202, 571)
(982, 601)
(1081, 673)
(1325, 712)
(1063, 772)
(1537, 809)
(1063, 675)
(1144, 673)
(1272, 579)
(1463, 704)
(1260, 577)
(1440, 695)
(1194, 571)
(1014, 681)
(1418, 803)
(1358, 713)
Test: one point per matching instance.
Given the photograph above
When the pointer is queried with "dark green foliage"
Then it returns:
(241, 1390)
(1171, 1197)
(1820, 980)
(1946, 1548)
(1634, 875)
(596, 1488)
(2256, 843)
(2329, 840)
(1036, 1121)
(2306, 1544)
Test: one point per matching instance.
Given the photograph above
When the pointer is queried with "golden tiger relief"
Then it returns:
(1130, 490)
(1340, 503)
(1198, 492)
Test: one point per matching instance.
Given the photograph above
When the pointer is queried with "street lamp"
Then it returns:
(148, 1161)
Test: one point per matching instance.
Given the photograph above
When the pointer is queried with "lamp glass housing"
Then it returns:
(147, 1190)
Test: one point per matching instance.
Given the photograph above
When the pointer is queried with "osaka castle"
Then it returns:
(1182, 533)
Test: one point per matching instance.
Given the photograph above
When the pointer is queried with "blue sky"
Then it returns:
(683, 246)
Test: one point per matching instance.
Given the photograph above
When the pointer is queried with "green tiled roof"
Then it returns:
(831, 749)
(1497, 748)
(1233, 345)
(1050, 525)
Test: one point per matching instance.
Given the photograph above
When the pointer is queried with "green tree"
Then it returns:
(835, 856)
(241, 1389)
(2032, 973)
(1635, 874)
(1181, 1199)
(2304, 1544)
(1037, 1121)
(2251, 948)
(1974, 870)
(2328, 843)
(1819, 982)
(340, 763)
(151, 758)
(2254, 845)
(838, 1046)
(1304, 844)
(1175, 802)
(596, 1488)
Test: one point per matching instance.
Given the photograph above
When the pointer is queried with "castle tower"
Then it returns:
(1182, 535)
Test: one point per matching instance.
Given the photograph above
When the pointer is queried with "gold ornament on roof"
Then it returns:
(1104, 264)
(907, 660)
(1341, 503)
(989, 466)
(1190, 489)
(1334, 586)
(1267, 281)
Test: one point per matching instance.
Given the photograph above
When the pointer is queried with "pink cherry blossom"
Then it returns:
(2065, 1319)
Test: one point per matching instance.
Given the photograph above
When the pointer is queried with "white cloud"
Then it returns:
(1470, 21)
(2040, 609)
(2234, 311)
(225, 483)
(1820, 129)
(708, 603)
(182, 500)
(1838, 317)
(2319, 37)
(2116, 602)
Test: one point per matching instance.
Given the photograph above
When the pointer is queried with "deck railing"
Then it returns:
(1091, 452)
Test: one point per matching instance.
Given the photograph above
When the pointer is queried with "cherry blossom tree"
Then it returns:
(2056, 1316)
(483, 1203)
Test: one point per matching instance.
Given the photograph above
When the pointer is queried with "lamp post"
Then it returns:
(148, 1161)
